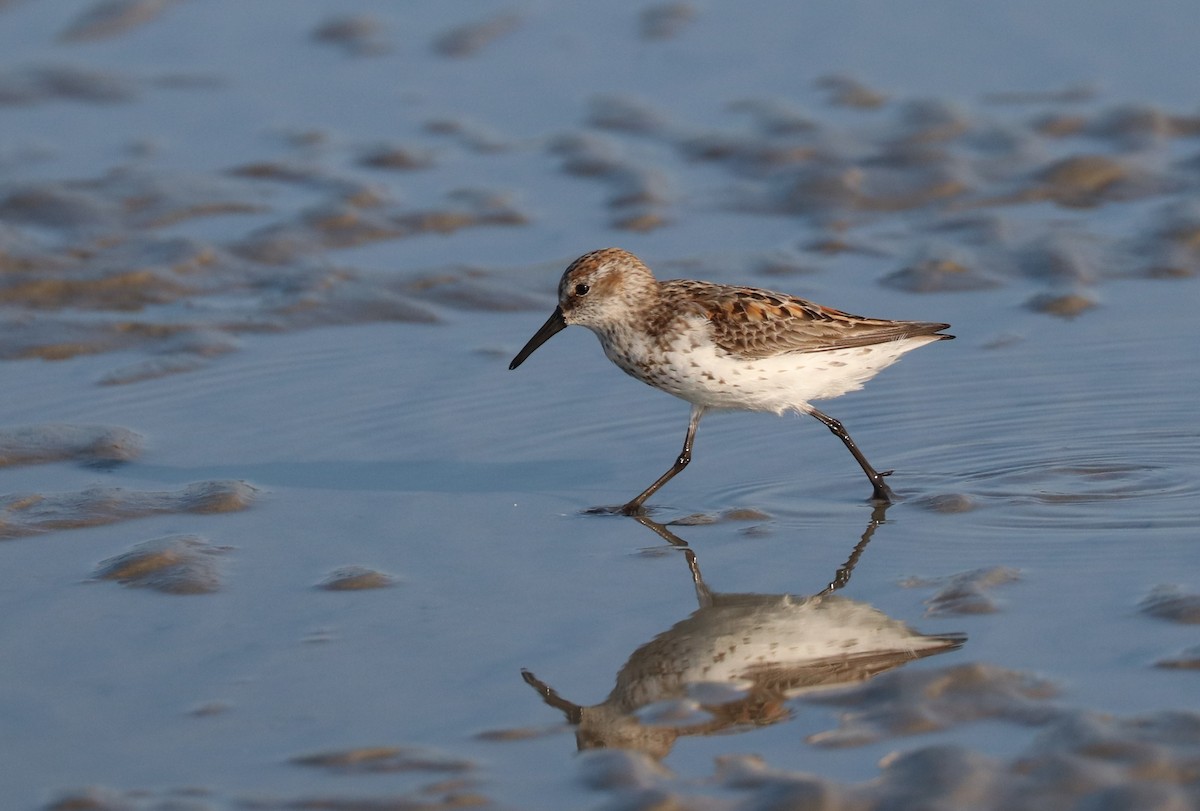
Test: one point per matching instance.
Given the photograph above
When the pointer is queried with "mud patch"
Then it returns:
(1188, 659)
(912, 702)
(36, 85)
(24, 514)
(356, 35)
(471, 38)
(91, 445)
(665, 20)
(439, 796)
(356, 578)
(381, 759)
(176, 564)
(639, 196)
(965, 593)
(1172, 604)
(112, 18)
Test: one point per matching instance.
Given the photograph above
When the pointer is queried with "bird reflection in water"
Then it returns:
(734, 663)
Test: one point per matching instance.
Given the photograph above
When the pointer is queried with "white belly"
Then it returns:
(706, 375)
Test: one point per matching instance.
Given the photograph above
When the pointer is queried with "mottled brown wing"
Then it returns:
(754, 323)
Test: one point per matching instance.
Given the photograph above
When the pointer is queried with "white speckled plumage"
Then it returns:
(727, 347)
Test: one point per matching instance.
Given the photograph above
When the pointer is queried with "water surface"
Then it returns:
(281, 529)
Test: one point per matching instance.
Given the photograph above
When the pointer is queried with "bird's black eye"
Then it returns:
(581, 289)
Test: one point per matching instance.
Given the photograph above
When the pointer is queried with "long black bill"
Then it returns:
(554, 325)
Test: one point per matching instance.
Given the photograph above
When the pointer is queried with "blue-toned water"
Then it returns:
(293, 248)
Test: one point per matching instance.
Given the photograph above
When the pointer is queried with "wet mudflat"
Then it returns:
(279, 529)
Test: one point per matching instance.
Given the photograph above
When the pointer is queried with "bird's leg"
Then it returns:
(881, 491)
(703, 595)
(634, 507)
(843, 574)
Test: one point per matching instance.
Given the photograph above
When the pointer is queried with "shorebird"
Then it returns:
(724, 347)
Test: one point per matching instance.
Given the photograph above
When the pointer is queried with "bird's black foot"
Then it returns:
(615, 509)
(633, 508)
(883, 494)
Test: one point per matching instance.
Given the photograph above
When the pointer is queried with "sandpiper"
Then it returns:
(724, 347)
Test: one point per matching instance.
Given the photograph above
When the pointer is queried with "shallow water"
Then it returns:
(281, 530)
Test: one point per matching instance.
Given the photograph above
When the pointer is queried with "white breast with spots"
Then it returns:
(693, 368)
